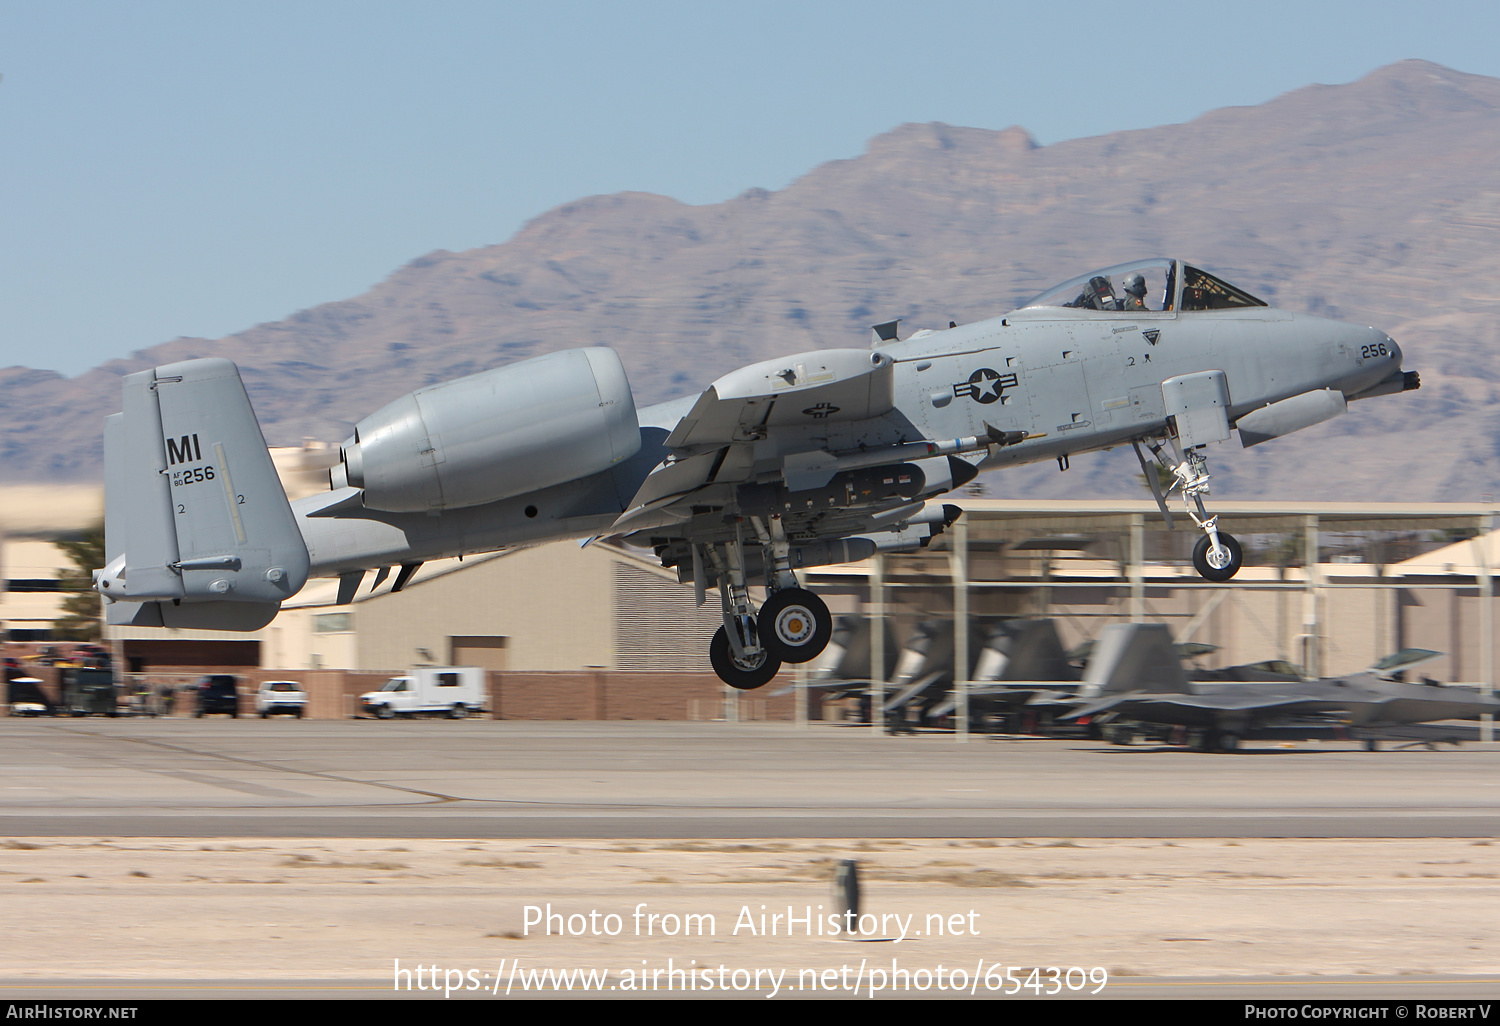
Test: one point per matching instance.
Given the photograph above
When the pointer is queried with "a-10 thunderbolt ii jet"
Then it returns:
(804, 460)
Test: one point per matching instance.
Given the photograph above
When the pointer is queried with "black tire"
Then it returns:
(1228, 741)
(299, 712)
(459, 712)
(384, 712)
(736, 675)
(1212, 573)
(795, 625)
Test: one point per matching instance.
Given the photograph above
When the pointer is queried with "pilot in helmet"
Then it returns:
(1135, 291)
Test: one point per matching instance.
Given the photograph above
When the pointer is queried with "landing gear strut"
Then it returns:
(793, 625)
(1217, 556)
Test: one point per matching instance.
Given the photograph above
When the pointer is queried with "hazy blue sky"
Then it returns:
(194, 168)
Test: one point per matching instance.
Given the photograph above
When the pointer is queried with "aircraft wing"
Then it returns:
(1023, 695)
(1172, 707)
(914, 689)
(814, 440)
(719, 442)
(665, 497)
(852, 687)
(827, 386)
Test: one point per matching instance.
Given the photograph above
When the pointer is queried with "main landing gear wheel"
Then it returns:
(795, 625)
(745, 677)
(1217, 564)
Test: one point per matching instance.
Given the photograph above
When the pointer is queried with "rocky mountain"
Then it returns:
(1376, 201)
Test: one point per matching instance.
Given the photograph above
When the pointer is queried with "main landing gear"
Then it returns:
(792, 626)
(750, 669)
(1217, 556)
(795, 625)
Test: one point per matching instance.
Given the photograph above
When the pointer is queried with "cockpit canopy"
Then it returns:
(1158, 285)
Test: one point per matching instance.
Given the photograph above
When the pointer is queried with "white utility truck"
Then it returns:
(452, 691)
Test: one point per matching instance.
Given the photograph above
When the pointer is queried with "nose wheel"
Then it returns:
(1217, 556)
(1217, 562)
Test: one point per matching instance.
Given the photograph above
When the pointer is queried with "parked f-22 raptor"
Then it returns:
(1136, 673)
(804, 460)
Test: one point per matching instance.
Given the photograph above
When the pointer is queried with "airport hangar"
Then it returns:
(596, 632)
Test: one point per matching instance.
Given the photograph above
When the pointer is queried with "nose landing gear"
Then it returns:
(1217, 562)
(1217, 556)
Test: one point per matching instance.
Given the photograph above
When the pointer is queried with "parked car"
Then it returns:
(218, 693)
(284, 697)
(451, 691)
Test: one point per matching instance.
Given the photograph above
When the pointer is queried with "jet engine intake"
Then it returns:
(494, 435)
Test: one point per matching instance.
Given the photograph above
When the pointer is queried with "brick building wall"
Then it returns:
(587, 695)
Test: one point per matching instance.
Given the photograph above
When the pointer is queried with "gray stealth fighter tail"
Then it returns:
(198, 530)
(1135, 657)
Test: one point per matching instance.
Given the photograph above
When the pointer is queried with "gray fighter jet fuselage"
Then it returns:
(802, 460)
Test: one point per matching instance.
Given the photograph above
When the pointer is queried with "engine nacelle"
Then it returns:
(494, 435)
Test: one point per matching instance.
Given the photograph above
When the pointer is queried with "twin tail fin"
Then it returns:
(198, 530)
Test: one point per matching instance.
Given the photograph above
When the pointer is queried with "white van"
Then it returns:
(454, 691)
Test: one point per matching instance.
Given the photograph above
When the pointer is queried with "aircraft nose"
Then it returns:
(1379, 359)
(1371, 341)
(1376, 344)
(1374, 348)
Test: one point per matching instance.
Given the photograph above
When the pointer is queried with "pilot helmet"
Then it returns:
(1135, 283)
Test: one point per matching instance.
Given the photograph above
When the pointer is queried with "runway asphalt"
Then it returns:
(509, 779)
